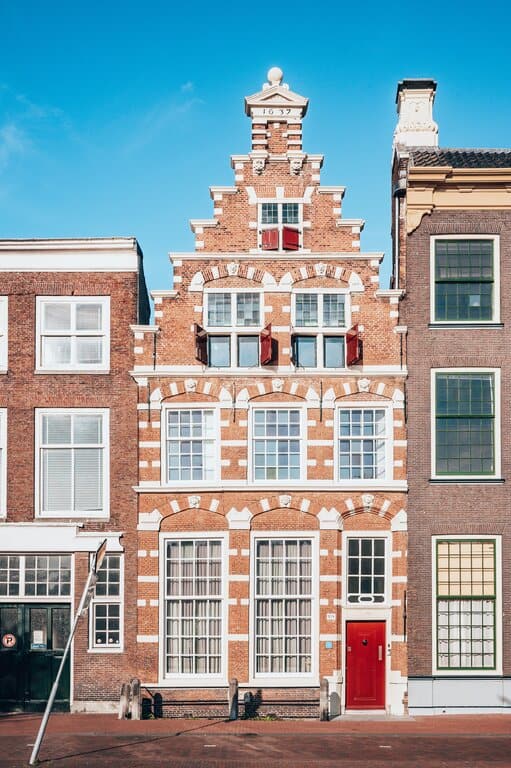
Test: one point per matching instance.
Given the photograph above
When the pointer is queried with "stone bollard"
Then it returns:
(233, 699)
(323, 699)
(136, 702)
(124, 703)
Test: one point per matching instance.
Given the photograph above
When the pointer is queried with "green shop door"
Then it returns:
(32, 641)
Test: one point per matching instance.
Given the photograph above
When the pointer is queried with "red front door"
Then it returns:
(365, 665)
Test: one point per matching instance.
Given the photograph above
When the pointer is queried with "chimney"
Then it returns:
(415, 127)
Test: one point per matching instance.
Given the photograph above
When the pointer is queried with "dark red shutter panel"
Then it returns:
(290, 239)
(201, 344)
(270, 239)
(353, 346)
(266, 351)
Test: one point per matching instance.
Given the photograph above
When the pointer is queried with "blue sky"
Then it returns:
(115, 117)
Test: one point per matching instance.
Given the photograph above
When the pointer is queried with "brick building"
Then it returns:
(452, 249)
(68, 464)
(272, 448)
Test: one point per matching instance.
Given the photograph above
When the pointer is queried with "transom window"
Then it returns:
(73, 333)
(106, 628)
(35, 575)
(73, 461)
(465, 604)
(191, 438)
(366, 570)
(193, 607)
(465, 423)
(362, 443)
(464, 280)
(280, 226)
(283, 606)
(324, 313)
(276, 451)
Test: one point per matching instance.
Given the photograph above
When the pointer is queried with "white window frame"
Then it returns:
(389, 441)
(103, 514)
(497, 427)
(108, 600)
(104, 332)
(4, 333)
(497, 538)
(199, 680)
(286, 679)
(367, 605)
(496, 279)
(260, 226)
(233, 330)
(189, 406)
(279, 406)
(320, 330)
(22, 597)
(3, 463)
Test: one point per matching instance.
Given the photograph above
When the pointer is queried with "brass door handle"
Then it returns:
(380, 653)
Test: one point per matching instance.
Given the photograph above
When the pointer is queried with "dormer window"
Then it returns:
(280, 226)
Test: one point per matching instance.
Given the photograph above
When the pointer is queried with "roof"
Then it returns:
(461, 158)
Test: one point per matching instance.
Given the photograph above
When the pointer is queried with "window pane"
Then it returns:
(334, 352)
(219, 351)
(219, 309)
(304, 351)
(56, 350)
(366, 569)
(191, 451)
(57, 317)
(247, 309)
(248, 351)
(333, 310)
(88, 317)
(306, 309)
(269, 213)
(276, 451)
(362, 459)
(290, 213)
(89, 350)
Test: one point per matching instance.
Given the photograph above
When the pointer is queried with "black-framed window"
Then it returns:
(465, 423)
(464, 280)
(465, 604)
(366, 570)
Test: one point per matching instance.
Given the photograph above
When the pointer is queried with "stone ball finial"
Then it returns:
(275, 75)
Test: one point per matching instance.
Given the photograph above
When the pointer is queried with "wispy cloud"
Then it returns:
(187, 87)
(13, 141)
(159, 117)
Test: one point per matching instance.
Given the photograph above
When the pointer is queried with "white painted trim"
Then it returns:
(496, 278)
(55, 537)
(328, 486)
(202, 680)
(275, 680)
(497, 538)
(198, 369)
(497, 425)
(104, 332)
(105, 512)
(70, 255)
(286, 255)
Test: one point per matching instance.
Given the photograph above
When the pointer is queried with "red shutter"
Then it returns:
(270, 239)
(290, 239)
(353, 346)
(266, 344)
(201, 344)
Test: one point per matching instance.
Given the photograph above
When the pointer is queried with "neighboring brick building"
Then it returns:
(273, 448)
(452, 249)
(68, 464)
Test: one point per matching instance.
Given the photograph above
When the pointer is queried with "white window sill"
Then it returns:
(72, 515)
(106, 649)
(56, 371)
(194, 681)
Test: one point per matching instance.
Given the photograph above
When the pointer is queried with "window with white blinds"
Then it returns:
(73, 462)
(73, 333)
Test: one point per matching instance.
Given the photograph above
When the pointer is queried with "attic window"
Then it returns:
(280, 226)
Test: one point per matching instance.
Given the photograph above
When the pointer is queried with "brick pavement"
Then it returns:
(75, 741)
